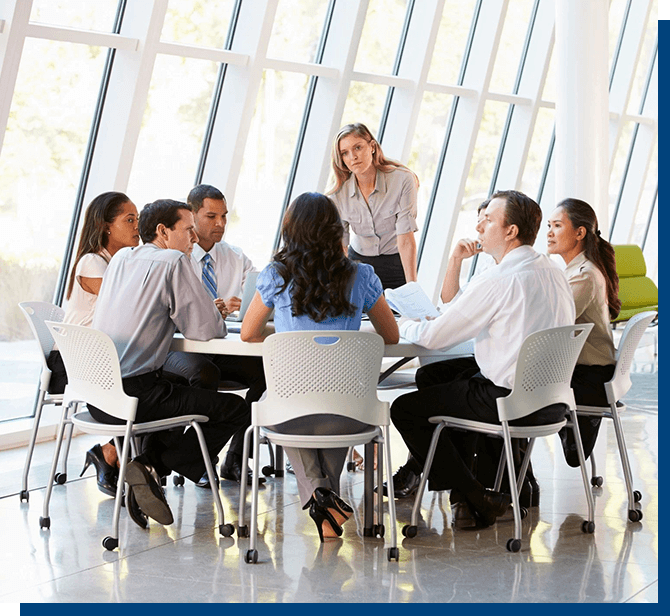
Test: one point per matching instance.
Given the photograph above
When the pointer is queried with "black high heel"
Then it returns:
(321, 515)
(107, 475)
(327, 499)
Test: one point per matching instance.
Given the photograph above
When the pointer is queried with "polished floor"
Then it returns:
(189, 562)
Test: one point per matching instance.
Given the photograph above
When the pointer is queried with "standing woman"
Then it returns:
(312, 285)
(376, 198)
(591, 270)
(110, 223)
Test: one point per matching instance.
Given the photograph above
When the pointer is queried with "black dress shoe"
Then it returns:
(405, 482)
(145, 482)
(233, 472)
(204, 481)
(134, 511)
(462, 515)
(493, 505)
(107, 475)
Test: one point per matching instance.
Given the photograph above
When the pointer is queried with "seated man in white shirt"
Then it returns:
(147, 293)
(223, 278)
(525, 292)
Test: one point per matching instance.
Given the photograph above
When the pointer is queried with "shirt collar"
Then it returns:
(380, 184)
(576, 263)
(198, 253)
(517, 254)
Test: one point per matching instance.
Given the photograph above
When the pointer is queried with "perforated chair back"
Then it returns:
(93, 371)
(635, 328)
(310, 372)
(37, 313)
(544, 370)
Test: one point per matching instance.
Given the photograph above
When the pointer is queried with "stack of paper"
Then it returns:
(410, 300)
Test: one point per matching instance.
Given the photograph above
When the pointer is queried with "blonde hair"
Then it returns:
(380, 161)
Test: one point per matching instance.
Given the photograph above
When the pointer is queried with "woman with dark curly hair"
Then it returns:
(311, 285)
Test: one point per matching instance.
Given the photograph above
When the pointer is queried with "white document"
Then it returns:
(410, 300)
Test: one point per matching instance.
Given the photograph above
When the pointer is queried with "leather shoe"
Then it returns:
(405, 483)
(233, 472)
(462, 515)
(145, 483)
(204, 481)
(134, 511)
(493, 505)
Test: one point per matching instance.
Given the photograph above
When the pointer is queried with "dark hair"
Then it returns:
(101, 211)
(201, 192)
(522, 211)
(312, 259)
(597, 250)
(483, 205)
(162, 211)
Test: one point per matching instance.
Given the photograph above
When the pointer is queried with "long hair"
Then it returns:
(378, 159)
(101, 211)
(312, 259)
(597, 249)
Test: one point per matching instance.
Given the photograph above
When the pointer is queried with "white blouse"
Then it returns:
(81, 305)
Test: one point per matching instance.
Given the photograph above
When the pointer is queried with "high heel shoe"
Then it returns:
(327, 499)
(321, 515)
(107, 475)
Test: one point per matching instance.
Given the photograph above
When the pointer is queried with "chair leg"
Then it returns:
(379, 494)
(524, 465)
(252, 552)
(31, 445)
(512, 544)
(424, 475)
(112, 542)
(634, 514)
(66, 453)
(386, 446)
(242, 529)
(45, 522)
(594, 470)
(590, 525)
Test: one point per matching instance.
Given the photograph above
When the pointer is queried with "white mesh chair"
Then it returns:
(544, 370)
(315, 372)
(37, 313)
(615, 390)
(94, 377)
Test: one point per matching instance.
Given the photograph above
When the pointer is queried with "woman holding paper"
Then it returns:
(376, 198)
(311, 284)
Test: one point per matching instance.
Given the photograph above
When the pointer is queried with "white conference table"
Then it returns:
(406, 351)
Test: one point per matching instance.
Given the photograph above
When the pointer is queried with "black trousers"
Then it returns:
(58, 379)
(206, 370)
(179, 450)
(387, 267)
(458, 389)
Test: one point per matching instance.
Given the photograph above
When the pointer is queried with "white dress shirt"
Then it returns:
(391, 212)
(147, 293)
(81, 305)
(500, 307)
(230, 264)
(589, 289)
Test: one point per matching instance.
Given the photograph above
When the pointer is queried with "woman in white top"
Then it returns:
(110, 223)
(376, 198)
(591, 270)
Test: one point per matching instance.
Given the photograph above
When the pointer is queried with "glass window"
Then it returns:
(170, 141)
(643, 65)
(81, 14)
(549, 90)
(378, 46)
(452, 36)
(365, 104)
(616, 14)
(646, 201)
(198, 22)
(297, 30)
(511, 45)
(619, 165)
(254, 216)
(651, 246)
(538, 151)
(427, 146)
(40, 167)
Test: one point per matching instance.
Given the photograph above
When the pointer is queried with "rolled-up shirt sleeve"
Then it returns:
(406, 218)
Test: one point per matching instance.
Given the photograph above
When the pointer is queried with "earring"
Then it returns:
(109, 232)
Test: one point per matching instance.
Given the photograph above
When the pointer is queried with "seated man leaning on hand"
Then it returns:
(222, 270)
(147, 293)
(523, 293)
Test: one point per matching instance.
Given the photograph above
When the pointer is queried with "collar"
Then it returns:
(576, 264)
(198, 253)
(380, 184)
(517, 254)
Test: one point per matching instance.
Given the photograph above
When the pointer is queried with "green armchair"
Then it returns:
(637, 292)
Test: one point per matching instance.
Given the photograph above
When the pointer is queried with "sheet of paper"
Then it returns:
(410, 300)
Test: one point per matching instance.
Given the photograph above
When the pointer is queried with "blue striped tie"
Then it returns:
(208, 276)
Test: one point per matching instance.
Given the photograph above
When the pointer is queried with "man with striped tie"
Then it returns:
(223, 270)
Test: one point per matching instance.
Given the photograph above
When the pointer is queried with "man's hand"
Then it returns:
(233, 303)
(466, 248)
(221, 306)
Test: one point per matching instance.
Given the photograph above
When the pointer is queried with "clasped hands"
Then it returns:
(225, 307)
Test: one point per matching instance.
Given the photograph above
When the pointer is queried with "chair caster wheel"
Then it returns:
(588, 527)
(635, 515)
(178, 480)
(109, 543)
(24, 496)
(394, 554)
(45, 522)
(637, 496)
(597, 482)
(409, 531)
(243, 531)
(60, 478)
(351, 467)
(267, 471)
(523, 512)
(378, 531)
(513, 545)
(226, 530)
(251, 556)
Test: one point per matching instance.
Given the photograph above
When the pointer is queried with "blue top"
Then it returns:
(364, 295)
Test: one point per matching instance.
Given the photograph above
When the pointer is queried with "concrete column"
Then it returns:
(582, 108)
